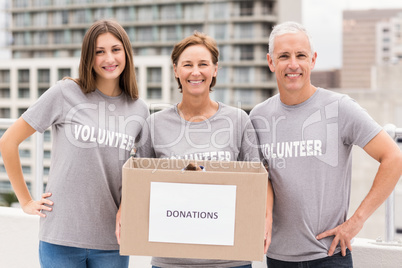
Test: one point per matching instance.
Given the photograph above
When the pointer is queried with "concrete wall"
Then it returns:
(19, 246)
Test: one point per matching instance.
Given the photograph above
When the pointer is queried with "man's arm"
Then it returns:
(383, 149)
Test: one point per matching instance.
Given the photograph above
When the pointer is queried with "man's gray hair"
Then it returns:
(285, 28)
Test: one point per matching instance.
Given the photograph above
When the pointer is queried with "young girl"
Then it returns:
(198, 127)
(95, 122)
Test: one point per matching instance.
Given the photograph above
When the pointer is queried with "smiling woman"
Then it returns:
(198, 128)
(95, 120)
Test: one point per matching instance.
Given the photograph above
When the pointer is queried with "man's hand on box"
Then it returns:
(35, 207)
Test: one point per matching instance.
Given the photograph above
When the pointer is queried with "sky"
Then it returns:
(323, 19)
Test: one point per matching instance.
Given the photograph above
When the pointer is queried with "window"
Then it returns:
(5, 113)
(5, 186)
(23, 76)
(23, 93)
(244, 52)
(189, 30)
(267, 7)
(193, 11)
(82, 16)
(124, 14)
(41, 90)
(39, 19)
(168, 12)
(46, 170)
(60, 17)
(26, 169)
(145, 13)
(244, 96)
(78, 36)
(154, 93)
(46, 154)
(145, 34)
(58, 37)
(219, 10)
(243, 75)
(63, 73)
(246, 8)
(223, 76)
(220, 94)
(25, 153)
(4, 76)
(169, 33)
(21, 111)
(5, 93)
(40, 38)
(244, 31)
(47, 136)
(154, 75)
(219, 31)
(43, 76)
(101, 13)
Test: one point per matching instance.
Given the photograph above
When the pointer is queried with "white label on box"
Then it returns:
(192, 213)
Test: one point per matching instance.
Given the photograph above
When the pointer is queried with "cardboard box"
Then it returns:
(250, 180)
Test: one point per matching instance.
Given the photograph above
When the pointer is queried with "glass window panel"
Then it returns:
(219, 10)
(193, 11)
(145, 13)
(168, 12)
(219, 31)
(26, 169)
(144, 34)
(40, 19)
(43, 75)
(244, 96)
(64, 73)
(4, 93)
(23, 93)
(244, 31)
(4, 76)
(243, 74)
(168, 33)
(154, 75)
(47, 136)
(23, 76)
(5, 113)
(154, 93)
(21, 111)
(25, 153)
(189, 29)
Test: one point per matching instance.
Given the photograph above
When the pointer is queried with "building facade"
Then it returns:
(370, 37)
(55, 28)
(47, 36)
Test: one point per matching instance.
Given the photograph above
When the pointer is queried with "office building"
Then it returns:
(370, 37)
(47, 36)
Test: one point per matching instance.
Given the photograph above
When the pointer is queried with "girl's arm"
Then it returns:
(9, 144)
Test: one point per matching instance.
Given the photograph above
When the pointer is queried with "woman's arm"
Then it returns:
(9, 144)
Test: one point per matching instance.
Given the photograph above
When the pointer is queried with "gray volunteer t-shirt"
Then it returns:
(93, 135)
(308, 151)
(228, 136)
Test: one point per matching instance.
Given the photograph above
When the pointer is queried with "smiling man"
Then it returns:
(306, 135)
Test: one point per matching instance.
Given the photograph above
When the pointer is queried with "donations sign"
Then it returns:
(192, 213)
